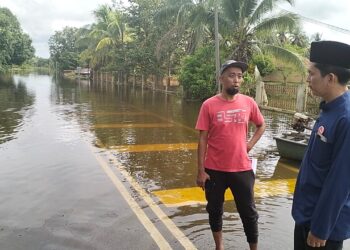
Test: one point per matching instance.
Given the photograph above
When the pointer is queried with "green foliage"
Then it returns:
(147, 57)
(264, 64)
(63, 49)
(41, 62)
(247, 27)
(197, 74)
(23, 49)
(85, 58)
(248, 85)
(166, 37)
(302, 51)
(15, 46)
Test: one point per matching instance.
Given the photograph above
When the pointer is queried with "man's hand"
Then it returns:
(202, 177)
(313, 241)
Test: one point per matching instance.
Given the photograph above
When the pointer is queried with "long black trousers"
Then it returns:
(241, 185)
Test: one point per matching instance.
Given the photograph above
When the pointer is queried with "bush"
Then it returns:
(197, 74)
(248, 85)
(264, 64)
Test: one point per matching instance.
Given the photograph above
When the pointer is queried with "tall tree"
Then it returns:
(109, 29)
(316, 37)
(15, 46)
(63, 49)
(23, 49)
(249, 23)
(108, 37)
(299, 38)
(189, 22)
(141, 17)
(188, 26)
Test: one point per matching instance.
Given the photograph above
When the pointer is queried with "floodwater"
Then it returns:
(54, 194)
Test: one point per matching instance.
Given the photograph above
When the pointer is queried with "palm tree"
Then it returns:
(316, 37)
(109, 34)
(248, 24)
(246, 27)
(299, 38)
(107, 28)
(190, 23)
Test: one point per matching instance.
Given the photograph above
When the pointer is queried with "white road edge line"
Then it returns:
(177, 233)
(146, 222)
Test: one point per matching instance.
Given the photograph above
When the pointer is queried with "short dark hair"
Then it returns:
(343, 74)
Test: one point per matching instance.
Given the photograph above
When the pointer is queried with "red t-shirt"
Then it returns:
(227, 126)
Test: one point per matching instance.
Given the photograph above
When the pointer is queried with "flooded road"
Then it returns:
(93, 166)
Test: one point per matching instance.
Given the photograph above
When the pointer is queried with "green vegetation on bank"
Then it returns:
(175, 38)
(15, 45)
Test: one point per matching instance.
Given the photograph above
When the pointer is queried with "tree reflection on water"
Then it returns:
(15, 100)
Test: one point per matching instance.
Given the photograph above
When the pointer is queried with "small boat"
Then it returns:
(292, 145)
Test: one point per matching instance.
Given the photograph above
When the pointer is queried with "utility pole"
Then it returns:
(217, 49)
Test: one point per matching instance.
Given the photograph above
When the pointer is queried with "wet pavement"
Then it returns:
(92, 166)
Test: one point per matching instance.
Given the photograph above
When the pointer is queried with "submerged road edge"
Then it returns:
(145, 221)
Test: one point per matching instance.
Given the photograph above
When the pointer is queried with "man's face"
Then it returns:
(231, 80)
(317, 83)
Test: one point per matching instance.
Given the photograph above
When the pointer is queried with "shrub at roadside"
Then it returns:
(197, 74)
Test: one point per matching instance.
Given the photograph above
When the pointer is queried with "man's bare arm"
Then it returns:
(202, 176)
(257, 135)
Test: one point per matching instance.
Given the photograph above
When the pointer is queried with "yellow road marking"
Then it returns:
(173, 122)
(177, 233)
(135, 125)
(155, 147)
(146, 222)
(293, 169)
(195, 195)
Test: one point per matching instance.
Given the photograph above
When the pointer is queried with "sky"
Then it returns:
(41, 18)
(332, 12)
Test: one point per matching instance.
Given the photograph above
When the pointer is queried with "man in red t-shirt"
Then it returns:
(223, 160)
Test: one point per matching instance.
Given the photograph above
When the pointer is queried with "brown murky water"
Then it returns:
(53, 196)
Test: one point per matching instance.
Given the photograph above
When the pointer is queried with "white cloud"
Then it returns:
(332, 12)
(41, 18)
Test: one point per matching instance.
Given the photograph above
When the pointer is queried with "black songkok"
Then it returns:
(330, 53)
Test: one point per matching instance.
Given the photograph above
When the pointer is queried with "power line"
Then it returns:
(330, 26)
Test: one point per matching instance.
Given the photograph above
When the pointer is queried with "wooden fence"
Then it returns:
(168, 84)
(288, 98)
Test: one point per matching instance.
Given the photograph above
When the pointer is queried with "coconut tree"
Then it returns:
(109, 34)
(189, 27)
(316, 37)
(109, 27)
(247, 25)
(190, 23)
(299, 38)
